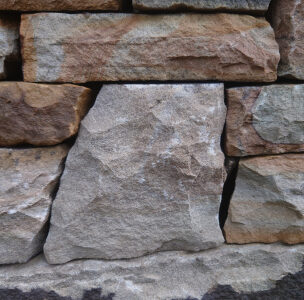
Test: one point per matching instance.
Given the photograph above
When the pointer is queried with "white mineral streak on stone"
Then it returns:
(167, 275)
(147, 184)
(27, 180)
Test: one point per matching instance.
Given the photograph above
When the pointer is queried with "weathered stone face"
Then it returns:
(111, 47)
(265, 120)
(287, 21)
(40, 114)
(267, 205)
(145, 175)
(27, 180)
(59, 5)
(169, 275)
(257, 6)
(9, 36)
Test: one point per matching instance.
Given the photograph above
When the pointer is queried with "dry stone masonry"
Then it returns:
(151, 149)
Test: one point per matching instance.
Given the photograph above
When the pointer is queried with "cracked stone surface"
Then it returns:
(111, 47)
(145, 175)
(28, 178)
(41, 114)
(287, 21)
(9, 41)
(267, 205)
(256, 6)
(167, 275)
(59, 5)
(265, 120)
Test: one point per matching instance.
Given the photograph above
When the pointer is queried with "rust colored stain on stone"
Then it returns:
(40, 114)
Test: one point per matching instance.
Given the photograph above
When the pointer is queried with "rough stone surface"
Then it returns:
(9, 41)
(111, 47)
(59, 5)
(287, 20)
(265, 120)
(40, 114)
(145, 175)
(267, 205)
(257, 6)
(28, 178)
(168, 275)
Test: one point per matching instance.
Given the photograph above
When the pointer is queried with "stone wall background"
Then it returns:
(151, 150)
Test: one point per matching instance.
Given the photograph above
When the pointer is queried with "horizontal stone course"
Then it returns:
(112, 47)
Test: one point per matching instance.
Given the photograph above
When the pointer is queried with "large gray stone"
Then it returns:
(162, 276)
(28, 178)
(256, 6)
(145, 175)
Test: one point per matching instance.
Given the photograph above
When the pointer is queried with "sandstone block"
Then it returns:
(267, 205)
(145, 175)
(28, 178)
(287, 21)
(265, 120)
(168, 275)
(40, 114)
(9, 40)
(59, 5)
(111, 47)
(255, 6)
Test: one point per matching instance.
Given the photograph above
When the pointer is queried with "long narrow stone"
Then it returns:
(267, 205)
(59, 5)
(253, 6)
(112, 47)
(28, 178)
(145, 175)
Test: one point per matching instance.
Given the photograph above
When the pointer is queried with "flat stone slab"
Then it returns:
(265, 120)
(251, 269)
(287, 21)
(28, 177)
(145, 175)
(253, 6)
(267, 205)
(60, 5)
(112, 47)
(41, 114)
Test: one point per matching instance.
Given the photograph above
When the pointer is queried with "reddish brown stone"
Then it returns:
(40, 114)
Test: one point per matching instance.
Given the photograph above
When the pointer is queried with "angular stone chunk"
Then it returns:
(168, 275)
(287, 21)
(9, 40)
(265, 120)
(111, 47)
(28, 178)
(40, 114)
(59, 5)
(145, 175)
(257, 6)
(268, 202)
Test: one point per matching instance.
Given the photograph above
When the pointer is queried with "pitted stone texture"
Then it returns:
(59, 5)
(168, 275)
(265, 120)
(255, 6)
(111, 47)
(267, 205)
(9, 41)
(287, 21)
(40, 114)
(28, 178)
(145, 175)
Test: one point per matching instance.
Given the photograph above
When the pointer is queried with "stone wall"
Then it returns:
(151, 150)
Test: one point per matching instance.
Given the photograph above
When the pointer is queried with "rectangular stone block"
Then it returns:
(265, 120)
(145, 175)
(112, 47)
(267, 205)
(59, 5)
